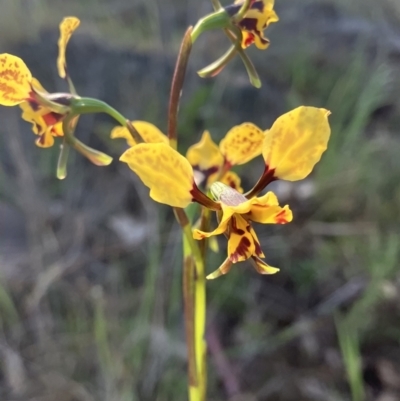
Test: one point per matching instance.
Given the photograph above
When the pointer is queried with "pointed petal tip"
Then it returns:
(214, 275)
(223, 269)
(270, 270)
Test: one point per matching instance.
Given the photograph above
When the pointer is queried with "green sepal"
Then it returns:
(218, 65)
(62, 160)
(236, 39)
(96, 157)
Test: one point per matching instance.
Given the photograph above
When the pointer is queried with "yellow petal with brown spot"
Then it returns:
(15, 80)
(167, 173)
(241, 244)
(35, 117)
(149, 132)
(45, 140)
(296, 141)
(242, 143)
(266, 210)
(67, 28)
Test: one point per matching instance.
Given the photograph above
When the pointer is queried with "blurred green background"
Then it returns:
(90, 269)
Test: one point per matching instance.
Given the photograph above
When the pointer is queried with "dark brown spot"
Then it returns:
(234, 228)
(241, 250)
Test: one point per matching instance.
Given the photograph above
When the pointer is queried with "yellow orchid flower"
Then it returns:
(237, 214)
(17, 87)
(260, 14)
(291, 148)
(171, 180)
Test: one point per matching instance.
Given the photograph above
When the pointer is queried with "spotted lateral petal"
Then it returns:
(242, 144)
(266, 210)
(167, 173)
(296, 142)
(67, 28)
(149, 132)
(15, 80)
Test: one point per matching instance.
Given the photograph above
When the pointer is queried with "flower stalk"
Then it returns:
(194, 289)
(177, 85)
(194, 297)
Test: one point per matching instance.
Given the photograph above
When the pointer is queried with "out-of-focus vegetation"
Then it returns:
(90, 290)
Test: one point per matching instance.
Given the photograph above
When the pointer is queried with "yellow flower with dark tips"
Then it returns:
(237, 214)
(44, 110)
(260, 14)
(291, 148)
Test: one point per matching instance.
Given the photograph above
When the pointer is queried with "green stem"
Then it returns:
(188, 279)
(87, 105)
(194, 291)
(217, 20)
(176, 87)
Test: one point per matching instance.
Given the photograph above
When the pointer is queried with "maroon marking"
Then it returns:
(206, 173)
(32, 98)
(39, 128)
(250, 40)
(280, 217)
(42, 139)
(257, 245)
(254, 4)
(235, 228)
(227, 165)
(52, 118)
(258, 250)
(248, 24)
(34, 105)
(232, 184)
(241, 250)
